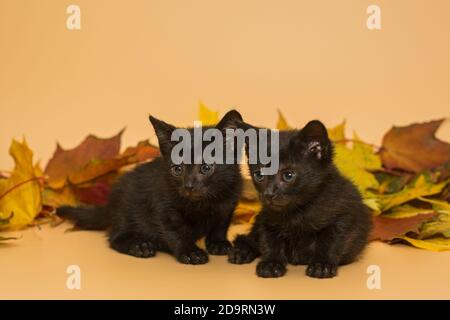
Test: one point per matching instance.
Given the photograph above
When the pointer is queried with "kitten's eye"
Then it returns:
(258, 176)
(205, 168)
(288, 176)
(177, 170)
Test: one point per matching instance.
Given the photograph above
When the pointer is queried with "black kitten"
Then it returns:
(167, 207)
(311, 214)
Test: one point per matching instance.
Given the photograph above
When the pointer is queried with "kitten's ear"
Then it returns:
(163, 131)
(314, 137)
(231, 120)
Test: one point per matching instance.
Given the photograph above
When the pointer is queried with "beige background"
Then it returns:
(35, 267)
(312, 59)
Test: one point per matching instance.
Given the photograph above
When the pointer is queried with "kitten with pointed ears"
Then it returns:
(311, 214)
(162, 206)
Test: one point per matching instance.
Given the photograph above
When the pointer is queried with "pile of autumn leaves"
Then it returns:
(405, 181)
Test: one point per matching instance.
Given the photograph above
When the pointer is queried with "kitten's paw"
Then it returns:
(321, 270)
(196, 256)
(218, 248)
(240, 254)
(270, 269)
(142, 250)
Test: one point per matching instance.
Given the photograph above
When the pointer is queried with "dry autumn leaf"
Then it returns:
(388, 228)
(414, 148)
(406, 211)
(390, 183)
(434, 244)
(96, 193)
(207, 116)
(246, 210)
(438, 226)
(91, 183)
(436, 204)
(59, 197)
(282, 123)
(94, 169)
(249, 192)
(20, 194)
(91, 150)
(356, 164)
(419, 187)
(337, 133)
(143, 151)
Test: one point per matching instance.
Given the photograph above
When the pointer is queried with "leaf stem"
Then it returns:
(40, 179)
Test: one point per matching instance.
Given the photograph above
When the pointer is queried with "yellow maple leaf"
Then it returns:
(441, 224)
(434, 244)
(337, 133)
(282, 123)
(420, 187)
(55, 198)
(207, 116)
(438, 226)
(356, 163)
(406, 211)
(20, 194)
(437, 204)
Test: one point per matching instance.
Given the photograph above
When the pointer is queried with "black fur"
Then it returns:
(153, 209)
(317, 219)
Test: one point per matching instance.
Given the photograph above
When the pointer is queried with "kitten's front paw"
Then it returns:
(321, 270)
(270, 269)
(142, 250)
(218, 248)
(196, 256)
(241, 254)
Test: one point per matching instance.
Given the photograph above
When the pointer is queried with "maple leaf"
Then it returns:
(20, 194)
(282, 123)
(406, 211)
(390, 183)
(414, 148)
(207, 116)
(248, 192)
(386, 229)
(434, 244)
(90, 184)
(91, 151)
(246, 211)
(96, 193)
(337, 133)
(438, 226)
(437, 205)
(143, 151)
(94, 169)
(419, 187)
(58, 197)
(356, 163)
(441, 224)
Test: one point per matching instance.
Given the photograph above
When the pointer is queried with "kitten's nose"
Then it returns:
(189, 188)
(269, 196)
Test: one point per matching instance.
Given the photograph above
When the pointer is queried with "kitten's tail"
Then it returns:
(87, 218)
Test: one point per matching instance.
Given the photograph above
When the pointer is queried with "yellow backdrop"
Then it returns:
(311, 59)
